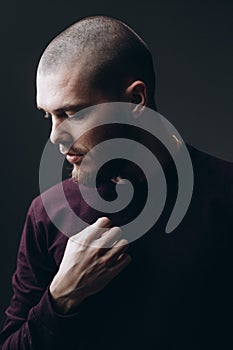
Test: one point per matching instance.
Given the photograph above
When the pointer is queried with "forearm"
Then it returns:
(43, 329)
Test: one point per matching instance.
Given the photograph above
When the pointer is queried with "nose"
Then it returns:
(59, 133)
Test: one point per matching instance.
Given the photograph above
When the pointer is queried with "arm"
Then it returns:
(38, 314)
(31, 321)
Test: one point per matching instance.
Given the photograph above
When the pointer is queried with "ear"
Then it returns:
(136, 93)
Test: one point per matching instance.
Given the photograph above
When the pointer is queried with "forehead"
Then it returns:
(64, 86)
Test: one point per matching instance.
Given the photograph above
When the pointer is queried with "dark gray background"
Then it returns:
(191, 42)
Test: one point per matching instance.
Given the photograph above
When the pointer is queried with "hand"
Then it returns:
(93, 257)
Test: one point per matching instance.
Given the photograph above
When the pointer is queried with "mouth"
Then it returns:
(74, 158)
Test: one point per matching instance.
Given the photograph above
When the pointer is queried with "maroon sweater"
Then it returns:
(175, 294)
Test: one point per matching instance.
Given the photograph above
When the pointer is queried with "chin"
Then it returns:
(88, 177)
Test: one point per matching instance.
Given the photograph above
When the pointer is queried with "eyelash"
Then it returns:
(75, 116)
(78, 115)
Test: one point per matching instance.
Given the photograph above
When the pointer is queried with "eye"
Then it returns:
(78, 115)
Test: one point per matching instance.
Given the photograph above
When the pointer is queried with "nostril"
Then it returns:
(63, 138)
(59, 133)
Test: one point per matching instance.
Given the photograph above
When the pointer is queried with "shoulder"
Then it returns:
(207, 161)
(210, 166)
(212, 176)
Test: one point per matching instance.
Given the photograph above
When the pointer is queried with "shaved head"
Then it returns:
(109, 54)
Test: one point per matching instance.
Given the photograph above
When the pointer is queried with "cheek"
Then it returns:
(86, 141)
(91, 137)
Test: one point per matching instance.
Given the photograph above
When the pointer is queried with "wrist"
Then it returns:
(63, 302)
(64, 305)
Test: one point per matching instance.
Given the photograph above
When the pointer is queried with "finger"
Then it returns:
(120, 265)
(116, 252)
(93, 231)
(102, 222)
(109, 238)
(112, 251)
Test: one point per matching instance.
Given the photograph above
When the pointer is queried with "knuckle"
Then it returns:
(94, 252)
(123, 242)
(83, 242)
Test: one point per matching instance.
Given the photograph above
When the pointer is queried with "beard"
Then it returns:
(89, 177)
(83, 177)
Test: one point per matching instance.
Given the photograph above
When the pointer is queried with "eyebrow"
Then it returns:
(66, 108)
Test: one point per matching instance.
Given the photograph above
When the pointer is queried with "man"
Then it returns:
(94, 290)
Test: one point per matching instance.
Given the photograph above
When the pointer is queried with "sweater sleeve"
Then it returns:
(31, 322)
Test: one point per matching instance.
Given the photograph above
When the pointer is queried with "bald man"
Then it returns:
(93, 290)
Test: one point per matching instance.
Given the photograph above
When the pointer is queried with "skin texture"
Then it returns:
(86, 267)
(57, 92)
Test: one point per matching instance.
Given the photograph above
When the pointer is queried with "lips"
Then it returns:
(74, 158)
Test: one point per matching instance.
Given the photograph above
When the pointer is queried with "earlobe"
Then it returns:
(137, 110)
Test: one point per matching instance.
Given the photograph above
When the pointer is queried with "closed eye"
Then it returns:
(78, 115)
